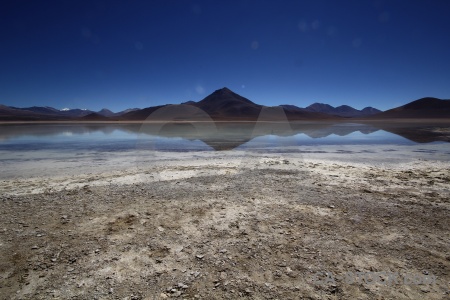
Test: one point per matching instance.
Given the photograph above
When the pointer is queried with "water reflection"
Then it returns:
(223, 135)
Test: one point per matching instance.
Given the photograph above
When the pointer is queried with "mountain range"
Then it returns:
(341, 111)
(224, 104)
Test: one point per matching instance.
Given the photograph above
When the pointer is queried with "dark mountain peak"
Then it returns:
(429, 103)
(289, 106)
(105, 112)
(428, 107)
(370, 109)
(226, 104)
(344, 107)
(347, 111)
(190, 102)
(94, 117)
(225, 96)
(319, 106)
(224, 90)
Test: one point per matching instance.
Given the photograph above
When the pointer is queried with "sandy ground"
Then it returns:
(219, 226)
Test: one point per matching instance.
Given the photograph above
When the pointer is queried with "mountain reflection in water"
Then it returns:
(230, 135)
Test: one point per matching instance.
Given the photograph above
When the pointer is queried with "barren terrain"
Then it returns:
(267, 227)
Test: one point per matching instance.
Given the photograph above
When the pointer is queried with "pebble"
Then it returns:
(223, 275)
(182, 286)
(199, 256)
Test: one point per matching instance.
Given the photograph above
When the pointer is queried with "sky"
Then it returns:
(122, 54)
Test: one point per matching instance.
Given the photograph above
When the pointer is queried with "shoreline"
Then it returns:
(314, 121)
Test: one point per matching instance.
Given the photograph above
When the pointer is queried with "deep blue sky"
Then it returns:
(120, 54)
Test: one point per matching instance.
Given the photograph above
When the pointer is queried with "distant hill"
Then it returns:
(342, 111)
(94, 117)
(107, 113)
(40, 110)
(424, 108)
(43, 113)
(8, 113)
(75, 113)
(139, 114)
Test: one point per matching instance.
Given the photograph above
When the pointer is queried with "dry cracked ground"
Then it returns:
(281, 229)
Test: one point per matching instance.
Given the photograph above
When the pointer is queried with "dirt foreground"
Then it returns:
(273, 228)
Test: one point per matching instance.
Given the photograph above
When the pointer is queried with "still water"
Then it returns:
(218, 136)
(66, 148)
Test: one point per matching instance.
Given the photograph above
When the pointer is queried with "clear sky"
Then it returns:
(120, 54)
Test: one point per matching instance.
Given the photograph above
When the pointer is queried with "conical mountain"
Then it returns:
(225, 104)
(105, 112)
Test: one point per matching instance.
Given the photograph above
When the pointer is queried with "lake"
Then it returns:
(28, 149)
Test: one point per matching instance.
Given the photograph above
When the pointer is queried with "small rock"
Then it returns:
(163, 296)
(182, 286)
(223, 251)
(177, 294)
(331, 206)
(199, 256)
(282, 264)
(223, 275)
(160, 229)
(34, 247)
